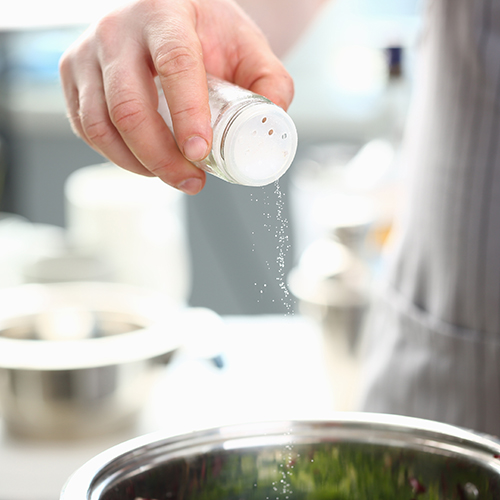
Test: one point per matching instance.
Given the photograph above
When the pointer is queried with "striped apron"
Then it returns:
(432, 344)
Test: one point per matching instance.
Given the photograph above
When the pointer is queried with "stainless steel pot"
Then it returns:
(77, 359)
(354, 456)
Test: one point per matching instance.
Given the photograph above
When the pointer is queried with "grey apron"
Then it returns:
(432, 344)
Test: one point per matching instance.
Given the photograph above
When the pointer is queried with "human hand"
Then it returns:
(112, 100)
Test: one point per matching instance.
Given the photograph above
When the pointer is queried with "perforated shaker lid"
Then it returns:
(260, 144)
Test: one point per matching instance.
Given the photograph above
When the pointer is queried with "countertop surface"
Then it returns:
(274, 369)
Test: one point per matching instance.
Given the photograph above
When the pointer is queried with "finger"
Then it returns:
(262, 72)
(132, 103)
(71, 94)
(248, 59)
(178, 60)
(87, 113)
(277, 87)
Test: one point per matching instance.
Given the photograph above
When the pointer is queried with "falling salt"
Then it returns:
(287, 461)
(275, 223)
(283, 247)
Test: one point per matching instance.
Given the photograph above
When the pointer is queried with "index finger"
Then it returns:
(132, 102)
(178, 60)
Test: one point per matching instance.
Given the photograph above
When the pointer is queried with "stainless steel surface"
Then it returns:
(354, 455)
(331, 283)
(191, 393)
(77, 359)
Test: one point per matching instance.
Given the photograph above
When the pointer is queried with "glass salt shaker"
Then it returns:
(254, 140)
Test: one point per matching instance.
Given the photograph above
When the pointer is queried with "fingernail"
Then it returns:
(195, 148)
(191, 186)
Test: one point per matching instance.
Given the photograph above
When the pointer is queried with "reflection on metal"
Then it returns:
(78, 359)
(351, 456)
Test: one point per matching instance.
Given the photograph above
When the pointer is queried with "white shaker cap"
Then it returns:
(259, 145)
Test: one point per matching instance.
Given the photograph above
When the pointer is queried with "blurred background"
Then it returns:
(353, 75)
(289, 267)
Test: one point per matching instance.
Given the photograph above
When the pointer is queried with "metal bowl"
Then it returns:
(77, 359)
(354, 456)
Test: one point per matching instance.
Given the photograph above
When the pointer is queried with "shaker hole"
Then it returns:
(271, 132)
(264, 120)
(284, 136)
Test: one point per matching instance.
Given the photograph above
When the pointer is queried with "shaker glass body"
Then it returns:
(254, 141)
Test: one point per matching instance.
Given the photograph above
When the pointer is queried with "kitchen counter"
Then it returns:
(273, 368)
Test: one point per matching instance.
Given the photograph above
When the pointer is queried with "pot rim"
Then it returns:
(168, 324)
(122, 460)
(123, 348)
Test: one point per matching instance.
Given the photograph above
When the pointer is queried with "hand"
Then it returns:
(108, 81)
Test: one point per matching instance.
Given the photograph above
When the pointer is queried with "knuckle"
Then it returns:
(163, 167)
(64, 65)
(175, 61)
(105, 29)
(168, 169)
(189, 112)
(127, 114)
(76, 125)
(288, 88)
(98, 131)
(290, 83)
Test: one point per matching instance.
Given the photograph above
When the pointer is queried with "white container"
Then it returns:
(254, 141)
(134, 224)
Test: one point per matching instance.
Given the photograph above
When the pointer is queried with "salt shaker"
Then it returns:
(254, 141)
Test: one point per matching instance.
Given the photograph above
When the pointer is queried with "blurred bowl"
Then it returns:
(354, 456)
(77, 359)
(331, 284)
